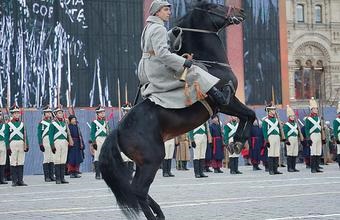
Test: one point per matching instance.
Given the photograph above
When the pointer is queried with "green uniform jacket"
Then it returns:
(43, 129)
(53, 131)
(95, 128)
(16, 137)
(227, 131)
(336, 128)
(2, 131)
(266, 127)
(309, 124)
(201, 130)
(287, 130)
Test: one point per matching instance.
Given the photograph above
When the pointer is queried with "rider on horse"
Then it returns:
(159, 70)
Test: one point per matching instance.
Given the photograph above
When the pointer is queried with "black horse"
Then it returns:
(142, 132)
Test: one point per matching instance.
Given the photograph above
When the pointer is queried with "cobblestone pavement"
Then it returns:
(253, 195)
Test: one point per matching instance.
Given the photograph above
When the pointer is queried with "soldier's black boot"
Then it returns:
(196, 169)
(201, 165)
(169, 168)
(236, 166)
(271, 165)
(2, 175)
(46, 172)
(294, 164)
(232, 165)
(21, 176)
(62, 174)
(51, 171)
(276, 165)
(185, 165)
(312, 164)
(57, 173)
(317, 164)
(290, 164)
(97, 170)
(179, 165)
(165, 168)
(14, 176)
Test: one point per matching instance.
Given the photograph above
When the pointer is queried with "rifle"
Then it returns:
(299, 129)
(282, 134)
(322, 123)
(25, 137)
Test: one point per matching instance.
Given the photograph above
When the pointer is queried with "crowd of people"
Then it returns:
(271, 142)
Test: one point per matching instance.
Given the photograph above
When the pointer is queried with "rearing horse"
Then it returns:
(141, 133)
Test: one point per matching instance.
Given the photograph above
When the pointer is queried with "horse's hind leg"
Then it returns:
(145, 175)
(156, 208)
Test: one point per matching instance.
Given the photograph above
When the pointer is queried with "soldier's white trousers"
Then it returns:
(169, 147)
(125, 158)
(3, 153)
(60, 155)
(48, 155)
(234, 155)
(315, 149)
(17, 157)
(100, 141)
(293, 148)
(201, 146)
(274, 150)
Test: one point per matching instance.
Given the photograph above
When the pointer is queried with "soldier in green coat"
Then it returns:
(271, 134)
(313, 136)
(229, 132)
(99, 132)
(44, 144)
(336, 130)
(17, 144)
(3, 150)
(59, 137)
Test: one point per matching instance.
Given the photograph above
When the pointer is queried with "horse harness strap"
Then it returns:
(207, 106)
(213, 62)
(198, 30)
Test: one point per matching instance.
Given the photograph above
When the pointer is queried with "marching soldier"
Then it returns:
(199, 138)
(229, 132)
(169, 147)
(44, 144)
(17, 144)
(99, 131)
(128, 162)
(336, 131)
(60, 138)
(271, 134)
(3, 150)
(291, 131)
(182, 153)
(313, 136)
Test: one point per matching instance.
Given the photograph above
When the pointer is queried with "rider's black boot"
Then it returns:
(221, 98)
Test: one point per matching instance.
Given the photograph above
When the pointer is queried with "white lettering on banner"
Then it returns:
(42, 10)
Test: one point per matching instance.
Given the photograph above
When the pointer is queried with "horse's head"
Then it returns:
(213, 17)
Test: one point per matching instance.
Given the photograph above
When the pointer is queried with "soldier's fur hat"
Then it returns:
(270, 107)
(14, 108)
(47, 109)
(157, 5)
(100, 109)
(290, 111)
(58, 108)
(313, 103)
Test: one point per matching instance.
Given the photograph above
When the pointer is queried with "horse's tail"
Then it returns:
(116, 176)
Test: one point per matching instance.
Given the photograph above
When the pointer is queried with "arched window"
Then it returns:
(318, 14)
(300, 13)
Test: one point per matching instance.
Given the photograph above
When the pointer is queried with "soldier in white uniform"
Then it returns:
(169, 147)
(16, 140)
(336, 131)
(229, 132)
(99, 132)
(292, 135)
(3, 150)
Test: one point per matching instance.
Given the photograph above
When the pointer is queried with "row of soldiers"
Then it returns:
(55, 137)
(207, 142)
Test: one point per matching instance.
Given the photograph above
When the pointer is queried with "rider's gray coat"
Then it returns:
(159, 70)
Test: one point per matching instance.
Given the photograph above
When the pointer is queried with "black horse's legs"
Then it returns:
(145, 175)
(155, 208)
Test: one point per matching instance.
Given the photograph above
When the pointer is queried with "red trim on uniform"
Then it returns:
(214, 144)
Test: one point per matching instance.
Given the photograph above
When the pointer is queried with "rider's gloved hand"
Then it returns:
(187, 63)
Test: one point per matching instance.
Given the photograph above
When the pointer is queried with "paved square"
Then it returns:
(253, 195)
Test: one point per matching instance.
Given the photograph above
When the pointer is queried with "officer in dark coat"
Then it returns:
(217, 144)
(75, 152)
(255, 144)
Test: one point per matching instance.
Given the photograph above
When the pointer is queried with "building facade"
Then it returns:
(313, 34)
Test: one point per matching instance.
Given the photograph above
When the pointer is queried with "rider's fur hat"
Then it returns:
(14, 108)
(157, 5)
(313, 103)
(290, 111)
